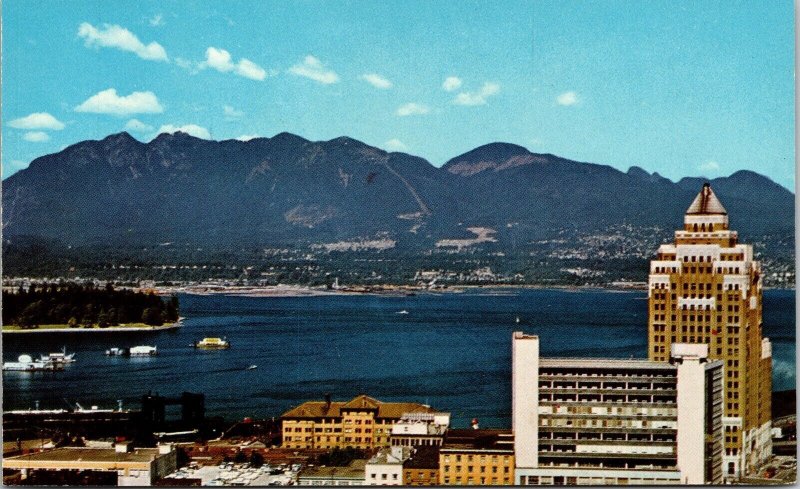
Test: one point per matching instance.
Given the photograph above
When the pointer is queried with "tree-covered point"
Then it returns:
(85, 306)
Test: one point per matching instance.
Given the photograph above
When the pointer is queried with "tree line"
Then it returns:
(85, 305)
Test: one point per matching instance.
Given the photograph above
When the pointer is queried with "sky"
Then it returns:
(683, 88)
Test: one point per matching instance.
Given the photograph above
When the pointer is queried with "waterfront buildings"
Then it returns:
(121, 465)
(363, 422)
(613, 421)
(481, 457)
(706, 288)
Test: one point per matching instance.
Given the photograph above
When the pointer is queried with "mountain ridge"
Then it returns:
(288, 189)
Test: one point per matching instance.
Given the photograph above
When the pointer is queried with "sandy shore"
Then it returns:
(111, 329)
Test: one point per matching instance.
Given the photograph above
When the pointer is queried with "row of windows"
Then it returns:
(458, 481)
(471, 468)
(471, 458)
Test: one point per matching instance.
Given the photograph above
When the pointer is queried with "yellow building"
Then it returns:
(362, 422)
(477, 457)
(706, 288)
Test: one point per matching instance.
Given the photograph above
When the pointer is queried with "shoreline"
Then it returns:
(278, 291)
(111, 329)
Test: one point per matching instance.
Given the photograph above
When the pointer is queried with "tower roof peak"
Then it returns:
(706, 202)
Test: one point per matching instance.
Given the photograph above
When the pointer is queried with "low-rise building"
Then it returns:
(351, 475)
(363, 422)
(422, 467)
(420, 429)
(125, 465)
(614, 421)
(385, 468)
(477, 457)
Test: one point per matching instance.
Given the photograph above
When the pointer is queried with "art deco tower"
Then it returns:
(706, 288)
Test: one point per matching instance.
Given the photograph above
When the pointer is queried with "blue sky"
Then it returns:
(682, 88)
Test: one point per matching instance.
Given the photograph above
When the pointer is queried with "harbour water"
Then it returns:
(451, 350)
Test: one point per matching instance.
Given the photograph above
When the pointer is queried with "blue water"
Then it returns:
(452, 351)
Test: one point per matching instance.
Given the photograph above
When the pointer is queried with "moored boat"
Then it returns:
(143, 351)
(25, 363)
(212, 344)
(58, 357)
(116, 352)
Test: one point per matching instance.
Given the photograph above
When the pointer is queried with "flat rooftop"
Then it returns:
(353, 471)
(606, 363)
(80, 456)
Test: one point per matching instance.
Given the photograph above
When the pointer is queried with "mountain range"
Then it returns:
(289, 190)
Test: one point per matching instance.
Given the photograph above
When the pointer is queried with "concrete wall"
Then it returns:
(525, 398)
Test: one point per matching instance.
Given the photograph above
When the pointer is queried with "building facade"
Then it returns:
(706, 288)
(362, 422)
(611, 421)
(385, 468)
(477, 457)
(422, 468)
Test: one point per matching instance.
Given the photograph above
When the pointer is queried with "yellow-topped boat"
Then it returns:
(213, 344)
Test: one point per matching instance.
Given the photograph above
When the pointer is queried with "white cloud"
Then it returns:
(395, 145)
(37, 120)
(247, 137)
(221, 60)
(377, 80)
(231, 113)
(114, 36)
(412, 108)
(477, 98)
(157, 20)
(184, 63)
(567, 98)
(248, 69)
(108, 102)
(312, 68)
(190, 129)
(710, 166)
(451, 83)
(137, 126)
(36, 136)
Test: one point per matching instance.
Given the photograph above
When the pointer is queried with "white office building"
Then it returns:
(614, 421)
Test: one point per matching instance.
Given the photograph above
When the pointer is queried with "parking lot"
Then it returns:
(230, 474)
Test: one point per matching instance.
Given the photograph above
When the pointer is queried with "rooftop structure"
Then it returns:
(420, 429)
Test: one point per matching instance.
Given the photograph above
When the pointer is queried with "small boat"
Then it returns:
(252, 367)
(402, 312)
(517, 320)
(143, 351)
(59, 357)
(212, 344)
(117, 352)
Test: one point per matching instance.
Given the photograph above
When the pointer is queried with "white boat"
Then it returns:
(116, 352)
(252, 367)
(59, 357)
(402, 312)
(143, 351)
(26, 364)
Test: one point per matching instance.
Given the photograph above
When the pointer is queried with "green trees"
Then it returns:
(152, 316)
(85, 305)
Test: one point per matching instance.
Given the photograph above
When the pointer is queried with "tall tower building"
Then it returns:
(706, 288)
